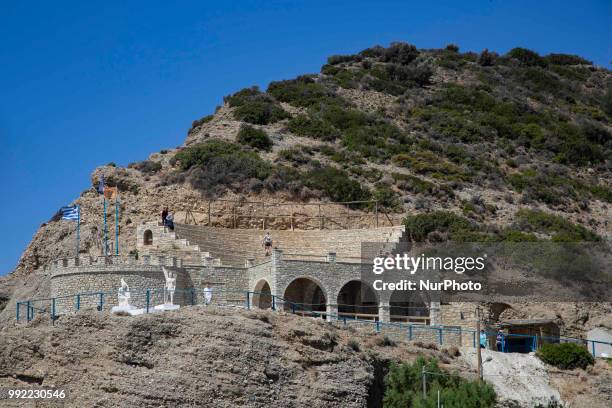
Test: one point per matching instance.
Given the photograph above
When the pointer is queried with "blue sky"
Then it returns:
(86, 83)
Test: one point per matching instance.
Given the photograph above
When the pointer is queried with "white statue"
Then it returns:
(124, 294)
(170, 286)
(123, 306)
(207, 294)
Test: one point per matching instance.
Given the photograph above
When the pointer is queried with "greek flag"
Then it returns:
(70, 213)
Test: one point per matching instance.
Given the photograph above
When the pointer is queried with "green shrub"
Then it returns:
(452, 59)
(260, 112)
(329, 69)
(146, 166)
(427, 162)
(228, 170)
(560, 228)
(566, 59)
(202, 153)
(316, 128)
(452, 48)
(410, 75)
(255, 107)
(400, 52)
(243, 96)
(348, 78)
(370, 174)
(386, 197)
(336, 184)
(298, 154)
(338, 59)
(419, 226)
(540, 80)
(201, 121)
(527, 57)
(373, 52)
(354, 345)
(512, 235)
(215, 165)
(573, 73)
(606, 103)
(303, 91)
(341, 117)
(413, 184)
(574, 147)
(566, 356)
(256, 138)
(486, 58)
(403, 387)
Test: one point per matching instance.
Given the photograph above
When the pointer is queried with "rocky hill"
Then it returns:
(468, 146)
(234, 358)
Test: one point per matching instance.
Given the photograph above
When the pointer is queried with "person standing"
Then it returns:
(483, 339)
(499, 340)
(164, 214)
(267, 243)
(170, 221)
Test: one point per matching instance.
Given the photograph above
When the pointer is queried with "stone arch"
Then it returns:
(147, 237)
(408, 306)
(357, 298)
(496, 309)
(262, 298)
(305, 294)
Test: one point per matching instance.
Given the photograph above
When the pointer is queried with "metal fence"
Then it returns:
(317, 215)
(147, 299)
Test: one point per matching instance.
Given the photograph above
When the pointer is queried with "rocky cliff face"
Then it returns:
(235, 358)
(196, 357)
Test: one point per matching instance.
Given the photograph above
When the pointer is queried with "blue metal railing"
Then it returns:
(409, 331)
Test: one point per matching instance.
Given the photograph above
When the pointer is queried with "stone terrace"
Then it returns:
(235, 246)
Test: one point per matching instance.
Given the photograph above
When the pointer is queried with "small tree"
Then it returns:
(404, 388)
(254, 137)
(452, 48)
(527, 57)
(486, 58)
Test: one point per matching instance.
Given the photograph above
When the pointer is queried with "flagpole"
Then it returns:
(78, 228)
(105, 230)
(116, 224)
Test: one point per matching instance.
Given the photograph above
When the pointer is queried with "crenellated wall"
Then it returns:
(98, 277)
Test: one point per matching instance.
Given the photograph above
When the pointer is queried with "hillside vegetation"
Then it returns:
(478, 136)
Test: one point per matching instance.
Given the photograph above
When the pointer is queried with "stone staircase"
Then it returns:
(166, 242)
(235, 246)
(232, 247)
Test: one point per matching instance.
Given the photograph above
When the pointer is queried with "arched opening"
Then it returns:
(148, 237)
(304, 295)
(262, 298)
(496, 311)
(409, 307)
(358, 300)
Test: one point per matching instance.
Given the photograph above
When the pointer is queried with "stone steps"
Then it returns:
(234, 246)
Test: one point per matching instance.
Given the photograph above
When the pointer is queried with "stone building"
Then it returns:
(314, 272)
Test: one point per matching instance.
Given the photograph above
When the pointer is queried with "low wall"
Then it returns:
(90, 281)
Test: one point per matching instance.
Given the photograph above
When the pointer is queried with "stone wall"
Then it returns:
(82, 283)
(451, 323)
(229, 284)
